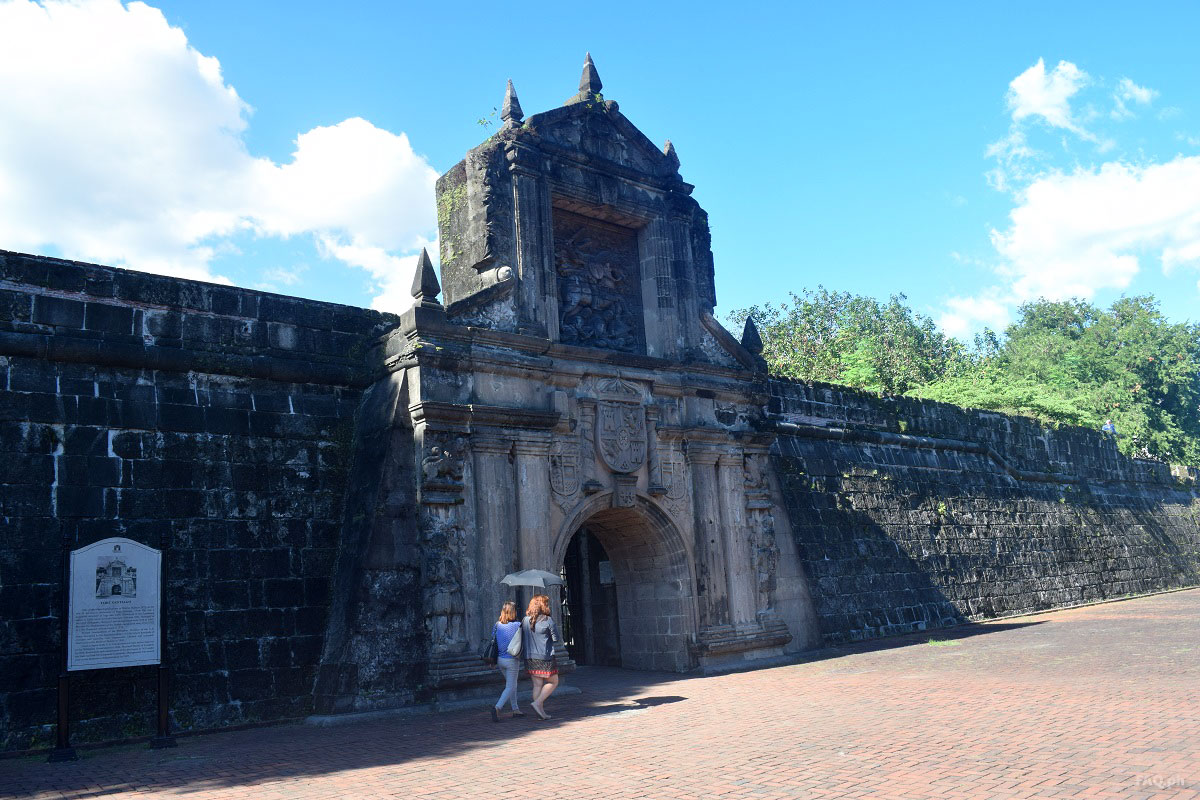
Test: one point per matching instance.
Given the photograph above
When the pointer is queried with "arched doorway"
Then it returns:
(648, 578)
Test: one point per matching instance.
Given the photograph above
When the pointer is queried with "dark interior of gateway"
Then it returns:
(591, 625)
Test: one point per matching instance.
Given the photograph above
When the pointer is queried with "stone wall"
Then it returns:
(211, 419)
(268, 443)
(912, 515)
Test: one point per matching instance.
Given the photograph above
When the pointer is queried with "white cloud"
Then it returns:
(120, 143)
(393, 275)
(1075, 233)
(1072, 234)
(967, 314)
(1129, 92)
(1033, 93)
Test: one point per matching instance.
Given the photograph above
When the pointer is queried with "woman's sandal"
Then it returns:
(540, 714)
(495, 716)
(518, 713)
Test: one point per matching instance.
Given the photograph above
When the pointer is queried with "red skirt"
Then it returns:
(539, 668)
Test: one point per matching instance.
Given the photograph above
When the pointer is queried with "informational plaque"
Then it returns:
(114, 614)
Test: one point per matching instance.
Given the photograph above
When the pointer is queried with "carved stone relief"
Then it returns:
(442, 469)
(565, 469)
(766, 555)
(621, 435)
(445, 608)
(674, 479)
(599, 284)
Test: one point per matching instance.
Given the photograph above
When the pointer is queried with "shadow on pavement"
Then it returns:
(252, 757)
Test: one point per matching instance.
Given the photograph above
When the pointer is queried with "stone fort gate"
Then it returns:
(341, 490)
(571, 401)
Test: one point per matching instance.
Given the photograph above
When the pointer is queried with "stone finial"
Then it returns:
(511, 111)
(669, 152)
(589, 82)
(750, 338)
(425, 287)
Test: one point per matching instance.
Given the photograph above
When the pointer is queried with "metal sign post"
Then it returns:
(163, 737)
(113, 616)
(63, 751)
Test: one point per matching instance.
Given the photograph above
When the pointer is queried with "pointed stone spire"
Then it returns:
(750, 338)
(589, 82)
(425, 287)
(511, 111)
(669, 152)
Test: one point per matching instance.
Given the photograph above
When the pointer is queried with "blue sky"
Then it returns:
(971, 156)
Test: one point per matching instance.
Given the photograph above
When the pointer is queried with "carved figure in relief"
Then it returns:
(444, 464)
(766, 552)
(444, 606)
(596, 285)
(752, 471)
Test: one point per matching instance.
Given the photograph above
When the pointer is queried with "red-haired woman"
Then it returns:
(540, 636)
(504, 630)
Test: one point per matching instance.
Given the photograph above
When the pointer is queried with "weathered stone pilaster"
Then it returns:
(739, 570)
(532, 462)
(713, 587)
(495, 518)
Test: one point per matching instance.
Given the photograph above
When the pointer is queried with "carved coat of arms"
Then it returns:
(564, 467)
(674, 479)
(621, 435)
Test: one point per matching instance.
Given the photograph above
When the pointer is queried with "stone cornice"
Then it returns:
(471, 414)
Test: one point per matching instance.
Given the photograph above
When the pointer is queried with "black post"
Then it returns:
(163, 738)
(63, 751)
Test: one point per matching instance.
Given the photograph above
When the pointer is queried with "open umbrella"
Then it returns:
(532, 577)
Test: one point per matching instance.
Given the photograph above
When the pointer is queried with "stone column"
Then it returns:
(658, 288)
(739, 563)
(532, 463)
(495, 497)
(529, 226)
(713, 588)
(655, 483)
(533, 500)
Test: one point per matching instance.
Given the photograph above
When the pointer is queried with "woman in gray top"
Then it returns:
(540, 634)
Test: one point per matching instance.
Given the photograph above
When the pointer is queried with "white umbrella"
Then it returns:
(532, 577)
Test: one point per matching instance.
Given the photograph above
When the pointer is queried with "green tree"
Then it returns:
(1071, 362)
(1063, 362)
(853, 340)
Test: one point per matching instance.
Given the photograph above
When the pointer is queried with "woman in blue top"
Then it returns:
(505, 629)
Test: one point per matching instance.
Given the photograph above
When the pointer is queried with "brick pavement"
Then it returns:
(1088, 703)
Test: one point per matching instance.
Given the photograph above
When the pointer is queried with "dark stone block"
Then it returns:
(242, 654)
(310, 620)
(306, 650)
(228, 421)
(248, 685)
(106, 318)
(278, 402)
(26, 500)
(80, 501)
(181, 418)
(32, 376)
(283, 592)
(58, 312)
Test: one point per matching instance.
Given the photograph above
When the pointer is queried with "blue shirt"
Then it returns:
(504, 634)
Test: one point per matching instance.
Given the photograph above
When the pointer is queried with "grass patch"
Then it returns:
(942, 643)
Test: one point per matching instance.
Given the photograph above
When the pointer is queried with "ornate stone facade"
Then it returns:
(576, 378)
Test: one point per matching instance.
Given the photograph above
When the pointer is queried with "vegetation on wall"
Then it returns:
(1066, 362)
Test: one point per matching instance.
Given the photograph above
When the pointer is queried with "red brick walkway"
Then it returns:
(1095, 702)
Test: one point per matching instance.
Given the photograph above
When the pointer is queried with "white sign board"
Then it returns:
(114, 614)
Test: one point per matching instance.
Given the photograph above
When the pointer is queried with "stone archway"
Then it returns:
(654, 579)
